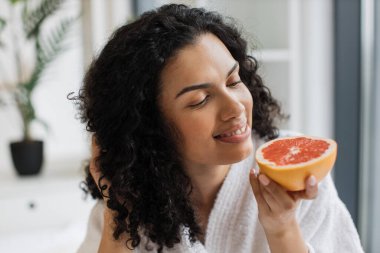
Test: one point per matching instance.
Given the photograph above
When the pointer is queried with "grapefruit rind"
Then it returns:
(293, 176)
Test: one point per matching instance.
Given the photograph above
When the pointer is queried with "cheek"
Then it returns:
(193, 129)
(247, 101)
(196, 132)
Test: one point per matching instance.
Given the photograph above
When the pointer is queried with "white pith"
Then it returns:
(236, 132)
(294, 150)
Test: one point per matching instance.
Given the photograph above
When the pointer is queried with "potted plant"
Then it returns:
(27, 30)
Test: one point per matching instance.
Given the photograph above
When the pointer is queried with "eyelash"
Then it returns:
(232, 85)
(202, 102)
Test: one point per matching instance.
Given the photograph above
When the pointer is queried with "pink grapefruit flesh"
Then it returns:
(290, 160)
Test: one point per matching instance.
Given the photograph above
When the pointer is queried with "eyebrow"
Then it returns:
(204, 85)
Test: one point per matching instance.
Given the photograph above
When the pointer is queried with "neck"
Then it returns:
(206, 181)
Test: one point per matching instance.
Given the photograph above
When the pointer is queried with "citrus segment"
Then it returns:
(290, 160)
(293, 151)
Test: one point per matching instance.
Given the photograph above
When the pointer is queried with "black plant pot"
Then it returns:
(27, 157)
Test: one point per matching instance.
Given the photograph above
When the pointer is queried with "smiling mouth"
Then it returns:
(236, 132)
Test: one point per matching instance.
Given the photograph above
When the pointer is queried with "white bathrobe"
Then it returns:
(233, 225)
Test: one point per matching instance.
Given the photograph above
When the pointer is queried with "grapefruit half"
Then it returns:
(290, 160)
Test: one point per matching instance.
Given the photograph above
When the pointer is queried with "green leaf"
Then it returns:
(26, 109)
(16, 1)
(43, 123)
(2, 26)
(33, 81)
(33, 20)
(48, 49)
(48, 45)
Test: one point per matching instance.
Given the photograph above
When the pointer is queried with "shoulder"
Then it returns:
(281, 133)
(288, 133)
(94, 229)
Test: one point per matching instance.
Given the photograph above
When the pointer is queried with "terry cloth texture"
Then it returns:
(233, 224)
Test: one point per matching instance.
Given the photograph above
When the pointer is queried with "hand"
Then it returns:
(277, 206)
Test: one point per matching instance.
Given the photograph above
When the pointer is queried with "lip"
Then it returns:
(232, 129)
(236, 138)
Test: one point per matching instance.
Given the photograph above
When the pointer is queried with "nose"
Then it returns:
(232, 107)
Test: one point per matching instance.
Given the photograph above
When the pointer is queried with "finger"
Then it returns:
(261, 203)
(311, 187)
(311, 191)
(278, 198)
(269, 199)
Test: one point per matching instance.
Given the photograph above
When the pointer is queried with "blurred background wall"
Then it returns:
(320, 58)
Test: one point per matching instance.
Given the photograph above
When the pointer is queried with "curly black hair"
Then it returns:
(119, 104)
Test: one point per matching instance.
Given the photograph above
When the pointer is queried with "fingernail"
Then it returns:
(264, 180)
(252, 171)
(312, 181)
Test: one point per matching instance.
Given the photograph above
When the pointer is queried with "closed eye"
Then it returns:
(234, 84)
(204, 101)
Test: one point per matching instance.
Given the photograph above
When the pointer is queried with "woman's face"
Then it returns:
(203, 98)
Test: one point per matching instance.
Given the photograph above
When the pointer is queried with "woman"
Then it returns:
(176, 109)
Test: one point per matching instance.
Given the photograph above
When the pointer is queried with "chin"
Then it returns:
(243, 155)
(237, 155)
